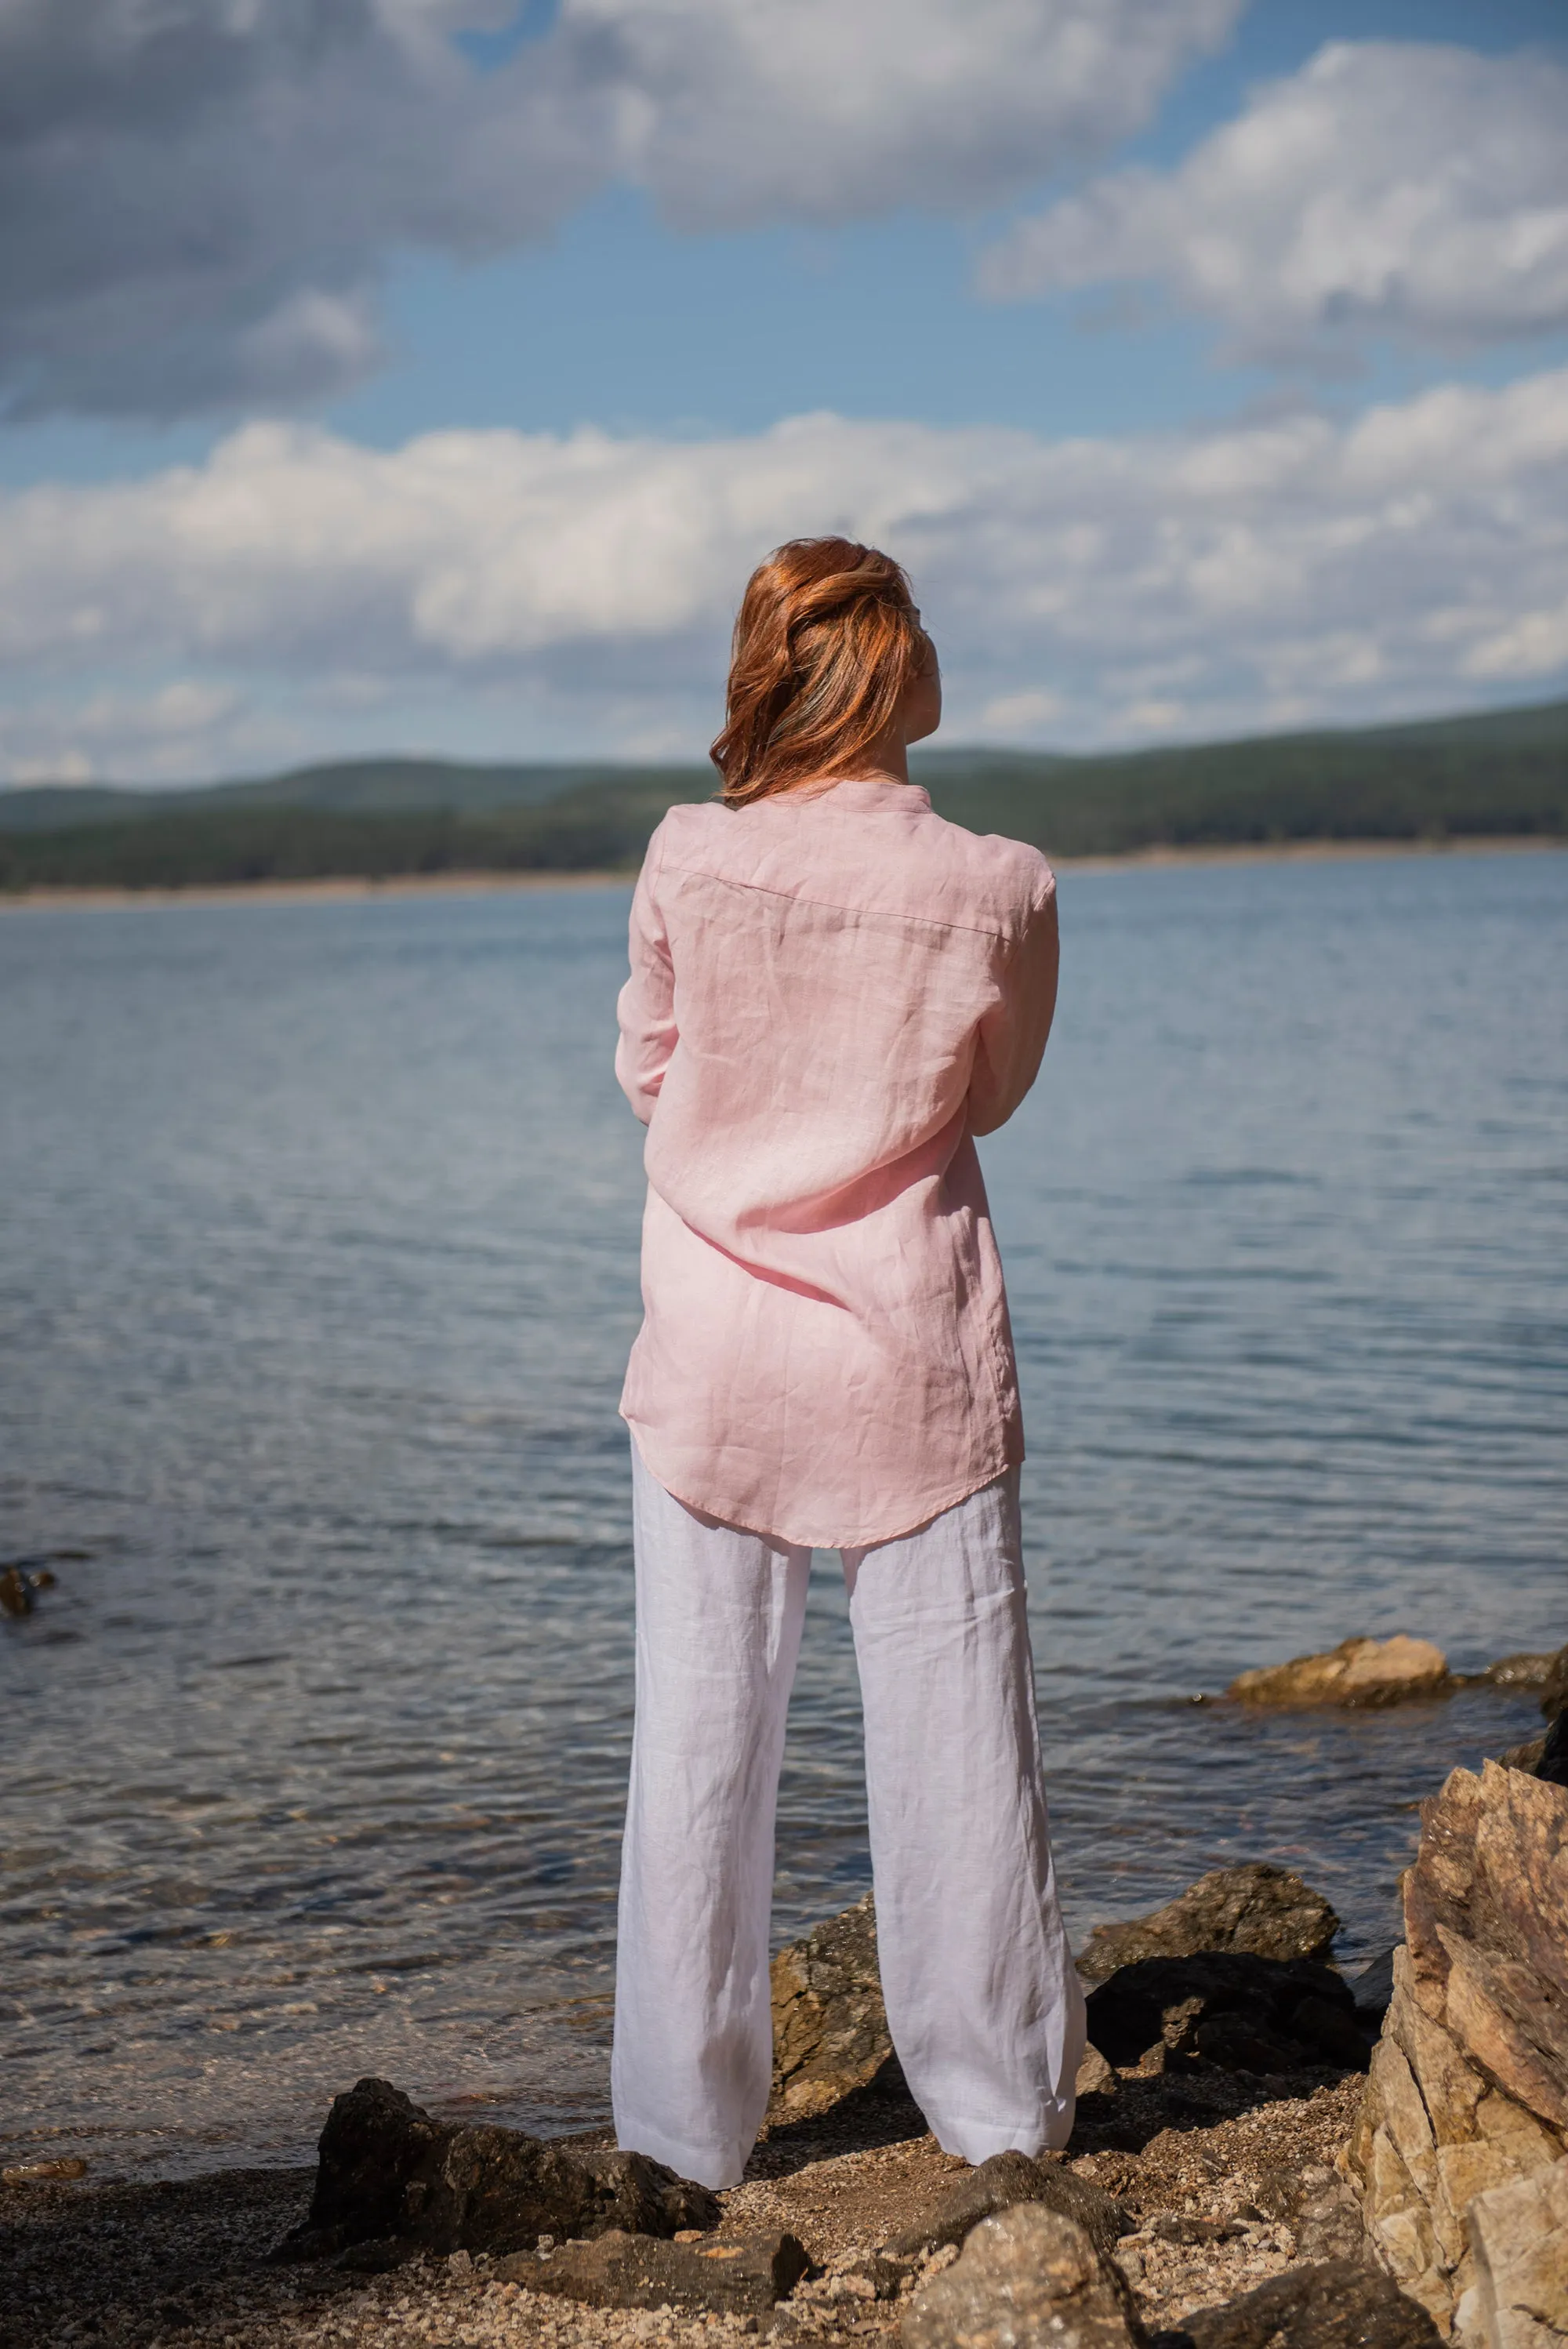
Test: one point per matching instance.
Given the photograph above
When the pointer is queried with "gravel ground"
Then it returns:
(1203, 2162)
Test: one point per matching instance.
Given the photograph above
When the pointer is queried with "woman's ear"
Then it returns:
(920, 713)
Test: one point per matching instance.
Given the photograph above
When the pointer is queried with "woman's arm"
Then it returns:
(1012, 1036)
(647, 1005)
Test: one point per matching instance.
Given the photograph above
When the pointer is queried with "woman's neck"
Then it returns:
(885, 760)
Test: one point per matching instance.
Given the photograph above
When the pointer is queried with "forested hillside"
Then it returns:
(1495, 774)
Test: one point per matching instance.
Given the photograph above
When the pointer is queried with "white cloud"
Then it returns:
(516, 593)
(1388, 187)
(197, 196)
(736, 110)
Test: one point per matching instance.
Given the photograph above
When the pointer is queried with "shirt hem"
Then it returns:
(736, 1514)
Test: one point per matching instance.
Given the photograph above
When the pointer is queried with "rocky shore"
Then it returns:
(1267, 2155)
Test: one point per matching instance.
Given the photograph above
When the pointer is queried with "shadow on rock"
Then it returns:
(1267, 2016)
(881, 2112)
(1335, 2306)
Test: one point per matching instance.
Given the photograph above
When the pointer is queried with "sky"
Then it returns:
(427, 375)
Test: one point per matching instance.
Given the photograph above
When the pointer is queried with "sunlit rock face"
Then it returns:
(1463, 2131)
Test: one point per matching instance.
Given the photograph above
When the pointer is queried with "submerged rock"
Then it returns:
(387, 2174)
(1337, 2304)
(1469, 2085)
(1002, 2183)
(1029, 2279)
(1261, 1909)
(624, 2270)
(1245, 2013)
(1357, 1673)
(830, 2025)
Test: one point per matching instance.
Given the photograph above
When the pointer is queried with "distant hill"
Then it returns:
(1493, 774)
(346, 787)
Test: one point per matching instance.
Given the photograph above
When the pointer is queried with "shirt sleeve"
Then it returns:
(647, 1005)
(1011, 1039)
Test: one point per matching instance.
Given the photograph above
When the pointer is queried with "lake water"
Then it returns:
(319, 1272)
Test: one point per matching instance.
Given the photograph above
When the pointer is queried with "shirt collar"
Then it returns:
(860, 797)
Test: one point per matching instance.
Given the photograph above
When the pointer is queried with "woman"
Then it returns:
(832, 992)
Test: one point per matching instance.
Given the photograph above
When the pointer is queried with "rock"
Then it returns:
(1096, 2078)
(1247, 2013)
(830, 2025)
(1320, 2209)
(1486, 1924)
(1554, 1688)
(1237, 2044)
(1553, 1763)
(1373, 1987)
(1358, 1672)
(1545, 1756)
(388, 2172)
(1006, 2180)
(1030, 2279)
(1333, 2305)
(1259, 1908)
(44, 2173)
(1521, 1671)
(1469, 2085)
(380, 2256)
(1519, 2240)
(624, 2270)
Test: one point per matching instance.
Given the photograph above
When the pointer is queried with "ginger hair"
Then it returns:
(827, 641)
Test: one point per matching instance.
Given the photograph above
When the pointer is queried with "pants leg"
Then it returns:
(719, 1630)
(984, 2005)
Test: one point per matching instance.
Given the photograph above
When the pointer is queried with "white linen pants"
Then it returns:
(984, 2006)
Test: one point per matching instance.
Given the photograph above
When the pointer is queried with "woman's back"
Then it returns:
(833, 990)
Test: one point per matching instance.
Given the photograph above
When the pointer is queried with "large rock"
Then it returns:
(1357, 1673)
(386, 2173)
(1469, 2085)
(1029, 2279)
(1261, 1909)
(1338, 2304)
(1261, 2015)
(1001, 2183)
(830, 2025)
(1519, 2239)
(623, 2271)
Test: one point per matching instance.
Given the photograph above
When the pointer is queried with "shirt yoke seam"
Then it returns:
(832, 905)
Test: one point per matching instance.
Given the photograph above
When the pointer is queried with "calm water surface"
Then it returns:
(318, 1275)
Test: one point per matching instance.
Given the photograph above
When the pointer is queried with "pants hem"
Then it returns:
(701, 2165)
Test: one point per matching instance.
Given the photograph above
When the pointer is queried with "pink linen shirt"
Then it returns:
(832, 992)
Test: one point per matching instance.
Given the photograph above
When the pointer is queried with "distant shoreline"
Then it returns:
(349, 888)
